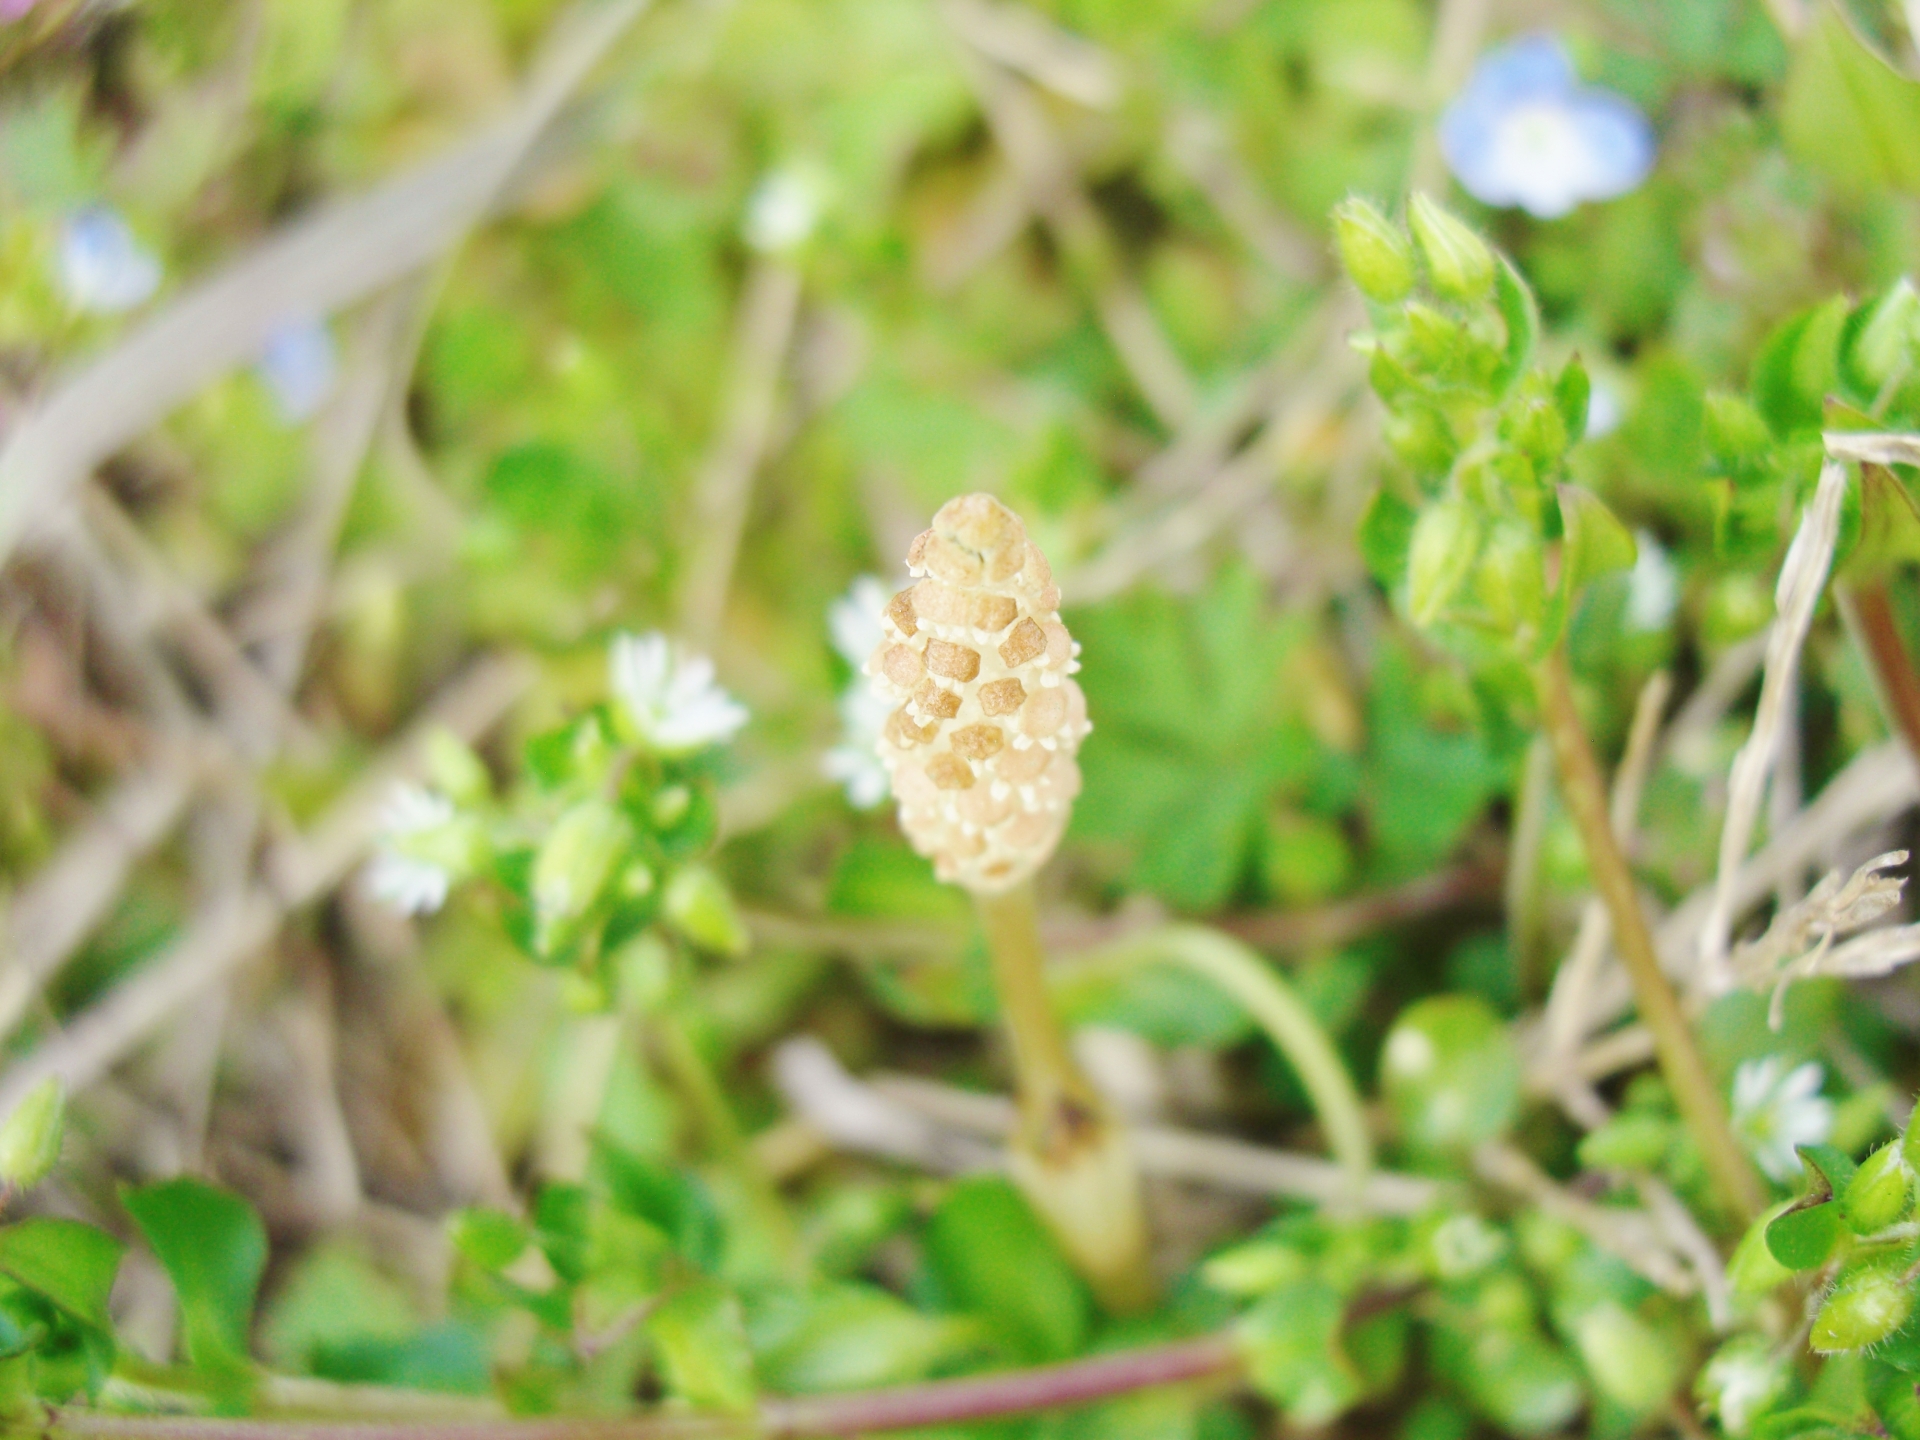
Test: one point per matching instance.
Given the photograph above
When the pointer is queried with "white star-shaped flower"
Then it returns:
(1776, 1109)
(670, 697)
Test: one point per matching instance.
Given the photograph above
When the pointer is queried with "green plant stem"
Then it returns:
(1213, 1357)
(1694, 1090)
(1876, 628)
(1526, 910)
(1070, 1155)
(1280, 1013)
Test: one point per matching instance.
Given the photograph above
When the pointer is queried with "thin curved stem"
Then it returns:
(1280, 1013)
(938, 1402)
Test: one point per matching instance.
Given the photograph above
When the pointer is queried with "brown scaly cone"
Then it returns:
(981, 748)
(981, 754)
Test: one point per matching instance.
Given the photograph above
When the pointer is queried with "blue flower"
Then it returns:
(1526, 132)
(298, 365)
(103, 269)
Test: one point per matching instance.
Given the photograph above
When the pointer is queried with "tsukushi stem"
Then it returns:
(1070, 1156)
(1877, 629)
(939, 1402)
(1694, 1090)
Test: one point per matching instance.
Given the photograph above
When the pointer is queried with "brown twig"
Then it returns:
(1877, 627)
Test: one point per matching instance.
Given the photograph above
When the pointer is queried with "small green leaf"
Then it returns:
(1573, 395)
(992, 1256)
(1889, 526)
(1891, 1393)
(69, 1263)
(699, 905)
(1596, 542)
(1798, 366)
(214, 1249)
(491, 1239)
(701, 1341)
(1291, 1341)
(1802, 1237)
(1849, 114)
(1386, 534)
(1522, 317)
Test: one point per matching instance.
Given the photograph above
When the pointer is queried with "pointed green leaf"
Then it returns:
(1804, 1236)
(1522, 319)
(214, 1249)
(69, 1263)
(701, 1340)
(1889, 526)
(1596, 542)
(1849, 114)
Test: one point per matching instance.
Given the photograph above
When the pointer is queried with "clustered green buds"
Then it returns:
(1467, 539)
(602, 847)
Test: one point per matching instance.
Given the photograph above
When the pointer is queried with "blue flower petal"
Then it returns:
(1525, 132)
(102, 267)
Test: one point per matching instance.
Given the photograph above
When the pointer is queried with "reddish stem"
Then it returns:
(938, 1402)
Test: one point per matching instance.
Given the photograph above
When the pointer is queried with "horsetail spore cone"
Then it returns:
(981, 746)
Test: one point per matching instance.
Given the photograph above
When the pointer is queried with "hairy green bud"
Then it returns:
(30, 1138)
(699, 906)
(1880, 1193)
(1445, 543)
(1374, 251)
(1459, 262)
(1510, 579)
(574, 865)
(1864, 1308)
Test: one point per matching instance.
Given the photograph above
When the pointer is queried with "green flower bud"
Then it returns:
(1631, 1140)
(1446, 542)
(455, 770)
(1864, 1308)
(1255, 1268)
(1459, 262)
(1510, 579)
(1742, 1382)
(1420, 436)
(1431, 343)
(574, 865)
(670, 806)
(698, 904)
(30, 1138)
(1891, 338)
(1631, 1363)
(1373, 250)
(1451, 1074)
(1880, 1193)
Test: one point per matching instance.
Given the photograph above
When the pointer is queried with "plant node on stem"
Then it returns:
(1694, 1090)
(1071, 1156)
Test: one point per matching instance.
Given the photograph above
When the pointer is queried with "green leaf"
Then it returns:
(1291, 1341)
(1848, 114)
(1798, 366)
(991, 1256)
(214, 1249)
(1522, 318)
(1386, 534)
(1805, 1235)
(700, 1338)
(68, 1263)
(1889, 526)
(1596, 542)
(491, 1239)
(847, 1337)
